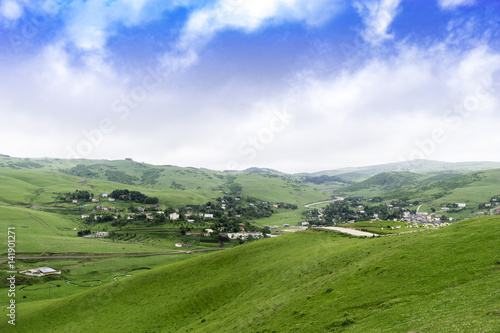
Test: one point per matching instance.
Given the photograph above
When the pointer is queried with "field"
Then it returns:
(323, 282)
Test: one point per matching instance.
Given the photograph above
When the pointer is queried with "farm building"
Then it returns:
(40, 271)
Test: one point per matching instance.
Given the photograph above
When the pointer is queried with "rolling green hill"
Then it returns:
(390, 181)
(437, 281)
(471, 188)
(34, 178)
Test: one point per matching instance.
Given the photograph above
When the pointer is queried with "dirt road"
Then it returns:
(350, 231)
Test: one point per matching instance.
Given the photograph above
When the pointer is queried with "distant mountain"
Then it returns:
(415, 166)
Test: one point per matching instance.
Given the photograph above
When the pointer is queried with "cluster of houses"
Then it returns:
(175, 216)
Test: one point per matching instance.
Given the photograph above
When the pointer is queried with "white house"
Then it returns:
(85, 216)
(461, 205)
(305, 224)
(208, 216)
(173, 216)
(244, 235)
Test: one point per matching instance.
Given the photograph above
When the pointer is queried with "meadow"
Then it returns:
(314, 281)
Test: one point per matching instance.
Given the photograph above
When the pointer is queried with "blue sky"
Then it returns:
(286, 84)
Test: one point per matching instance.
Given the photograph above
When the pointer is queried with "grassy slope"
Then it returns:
(471, 188)
(391, 181)
(21, 182)
(443, 280)
(47, 232)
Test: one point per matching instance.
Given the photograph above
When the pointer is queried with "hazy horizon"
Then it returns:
(260, 167)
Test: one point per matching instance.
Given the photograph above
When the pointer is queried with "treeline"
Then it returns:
(78, 195)
(323, 179)
(134, 196)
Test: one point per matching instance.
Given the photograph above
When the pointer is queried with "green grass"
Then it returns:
(314, 281)
(83, 274)
(39, 232)
(281, 217)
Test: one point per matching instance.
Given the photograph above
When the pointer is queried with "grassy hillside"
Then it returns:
(472, 188)
(438, 281)
(33, 181)
(390, 181)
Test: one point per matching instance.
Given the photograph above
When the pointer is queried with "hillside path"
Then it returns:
(324, 201)
(350, 231)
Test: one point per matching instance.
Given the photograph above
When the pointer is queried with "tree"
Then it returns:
(235, 188)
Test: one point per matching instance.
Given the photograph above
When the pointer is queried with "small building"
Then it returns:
(104, 195)
(40, 271)
(173, 216)
(461, 205)
(178, 244)
(305, 224)
(95, 200)
(101, 234)
(85, 216)
(208, 216)
(111, 199)
(140, 209)
(75, 201)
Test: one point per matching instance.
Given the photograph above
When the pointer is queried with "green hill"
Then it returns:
(439, 281)
(471, 188)
(35, 181)
(390, 181)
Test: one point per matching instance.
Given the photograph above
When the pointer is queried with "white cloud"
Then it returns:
(377, 16)
(451, 4)
(11, 9)
(248, 16)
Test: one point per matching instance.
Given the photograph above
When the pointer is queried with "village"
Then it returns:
(353, 210)
(226, 218)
